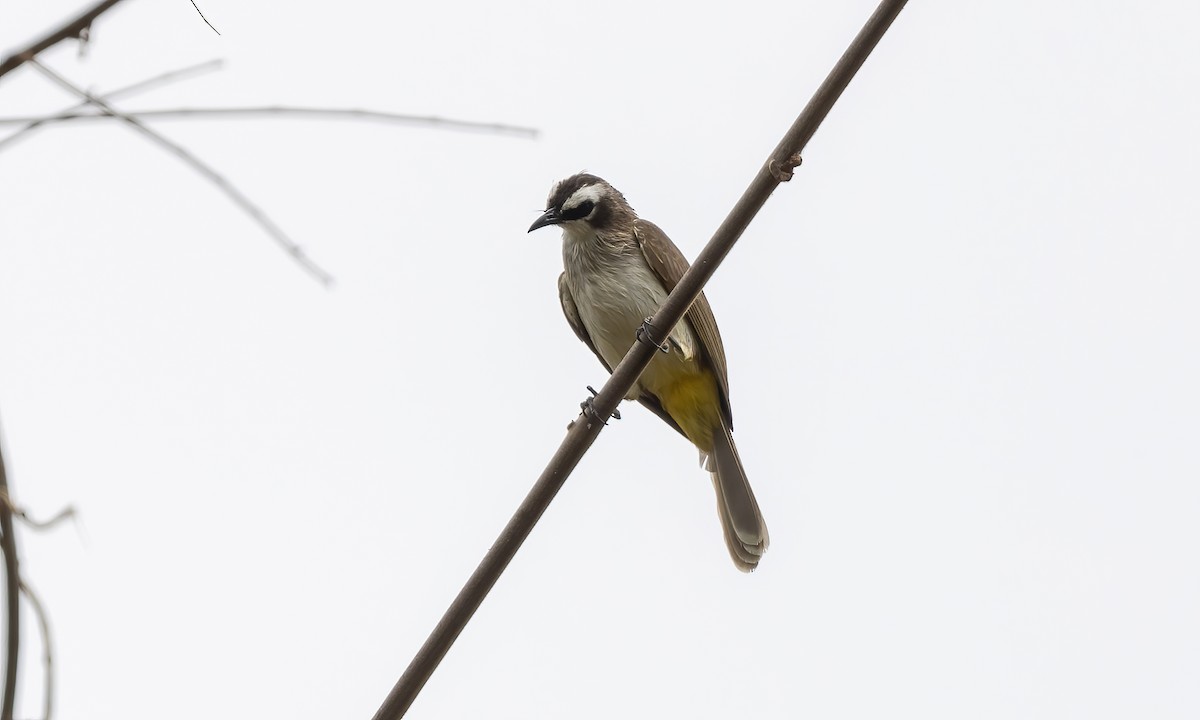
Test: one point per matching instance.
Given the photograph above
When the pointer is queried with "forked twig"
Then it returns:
(236, 196)
(33, 123)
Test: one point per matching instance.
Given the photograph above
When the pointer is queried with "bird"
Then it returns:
(617, 271)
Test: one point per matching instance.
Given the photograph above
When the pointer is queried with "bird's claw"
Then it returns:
(643, 334)
(589, 408)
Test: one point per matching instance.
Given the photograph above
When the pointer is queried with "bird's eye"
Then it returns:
(581, 210)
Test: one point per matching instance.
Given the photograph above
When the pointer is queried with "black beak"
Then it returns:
(550, 217)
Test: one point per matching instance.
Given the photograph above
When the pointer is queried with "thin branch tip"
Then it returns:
(66, 513)
(206, 22)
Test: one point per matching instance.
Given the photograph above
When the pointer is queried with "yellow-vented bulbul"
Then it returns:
(618, 270)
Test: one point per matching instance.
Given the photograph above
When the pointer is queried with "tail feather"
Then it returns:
(741, 520)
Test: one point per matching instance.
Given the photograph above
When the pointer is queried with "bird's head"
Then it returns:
(585, 201)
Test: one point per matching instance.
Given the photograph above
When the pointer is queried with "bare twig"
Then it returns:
(235, 195)
(165, 78)
(12, 585)
(17, 511)
(66, 513)
(43, 620)
(206, 22)
(73, 28)
(272, 111)
(580, 437)
(34, 123)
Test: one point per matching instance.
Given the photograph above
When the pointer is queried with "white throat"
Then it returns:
(586, 253)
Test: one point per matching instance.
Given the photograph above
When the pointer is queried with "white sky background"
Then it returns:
(962, 344)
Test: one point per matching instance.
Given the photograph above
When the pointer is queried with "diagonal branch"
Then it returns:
(236, 196)
(777, 169)
(72, 29)
(33, 123)
(272, 111)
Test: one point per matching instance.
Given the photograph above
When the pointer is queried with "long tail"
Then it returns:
(741, 520)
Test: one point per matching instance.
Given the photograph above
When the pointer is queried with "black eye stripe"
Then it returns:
(581, 210)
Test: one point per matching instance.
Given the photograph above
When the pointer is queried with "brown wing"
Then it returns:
(571, 310)
(669, 264)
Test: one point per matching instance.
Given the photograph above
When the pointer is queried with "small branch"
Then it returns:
(43, 620)
(582, 434)
(34, 123)
(273, 111)
(206, 22)
(12, 586)
(67, 512)
(235, 195)
(72, 29)
(166, 78)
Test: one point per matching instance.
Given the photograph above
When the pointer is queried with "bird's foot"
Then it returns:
(588, 408)
(643, 334)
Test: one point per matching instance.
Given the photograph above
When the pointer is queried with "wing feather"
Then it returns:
(669, 264)
(571, 310)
